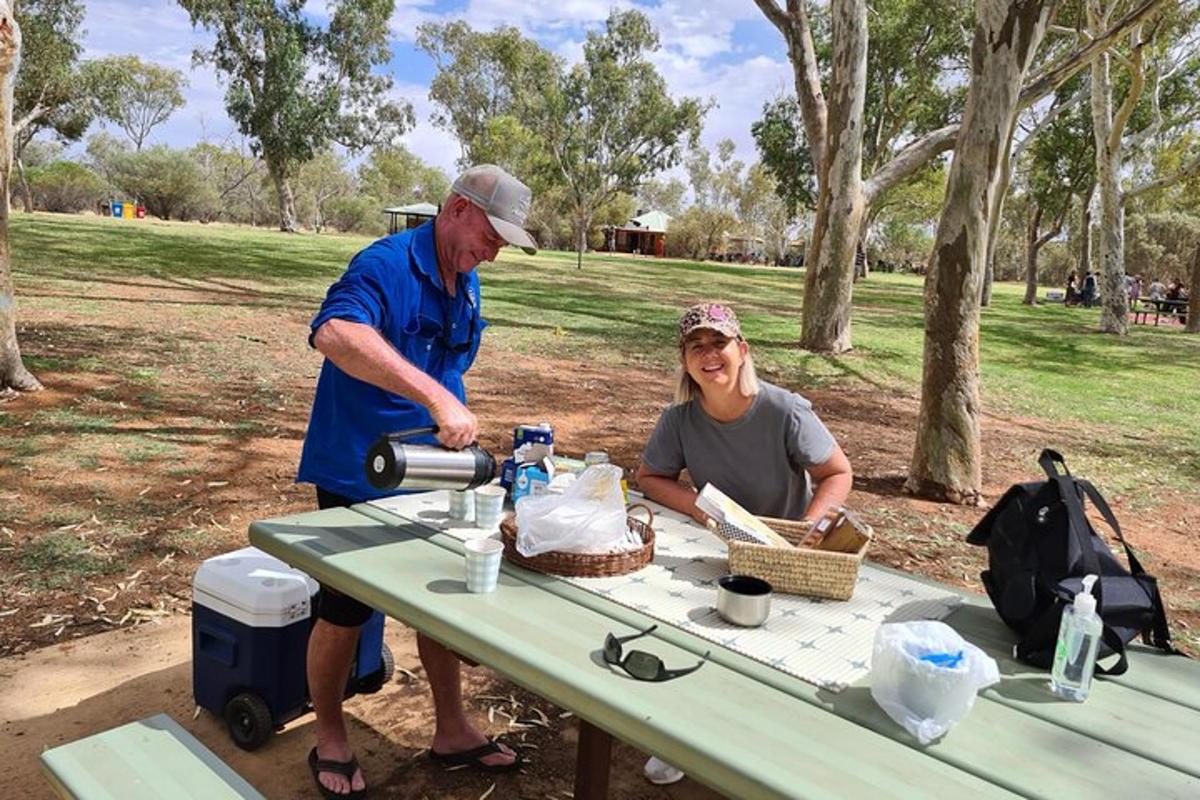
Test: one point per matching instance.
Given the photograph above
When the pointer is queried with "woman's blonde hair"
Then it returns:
(686, 388)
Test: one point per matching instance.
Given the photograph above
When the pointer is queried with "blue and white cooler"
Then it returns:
(251, 619)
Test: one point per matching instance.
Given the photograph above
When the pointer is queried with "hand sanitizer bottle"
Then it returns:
(1078, 640)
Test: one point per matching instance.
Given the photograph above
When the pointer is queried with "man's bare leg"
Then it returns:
(330, 653)
(453, 734)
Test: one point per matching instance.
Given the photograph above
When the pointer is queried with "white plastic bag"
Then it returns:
(925, 676)
(588, 517)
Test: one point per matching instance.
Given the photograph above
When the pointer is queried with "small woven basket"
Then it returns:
(584, 565)
(814, 573)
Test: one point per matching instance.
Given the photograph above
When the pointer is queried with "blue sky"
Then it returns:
(720, 49)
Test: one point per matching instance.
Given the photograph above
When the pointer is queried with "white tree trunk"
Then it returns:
(13, 375)
(829, 280)
(946, 456)
(287, 200)
(1114, 311)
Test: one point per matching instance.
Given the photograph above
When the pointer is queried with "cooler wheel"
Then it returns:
(377, 680)
(249, 721)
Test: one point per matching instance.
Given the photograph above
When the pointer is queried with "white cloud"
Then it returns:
(701, 56)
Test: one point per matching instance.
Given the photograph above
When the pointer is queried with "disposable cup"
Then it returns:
(462, 505)
(489, 506)
(483, 564)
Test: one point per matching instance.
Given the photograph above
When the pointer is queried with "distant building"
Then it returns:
(645, 234)
(414, 214)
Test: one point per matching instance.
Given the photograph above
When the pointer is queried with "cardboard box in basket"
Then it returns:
(824, 562)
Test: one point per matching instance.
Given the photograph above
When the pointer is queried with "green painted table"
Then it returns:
(745, 729)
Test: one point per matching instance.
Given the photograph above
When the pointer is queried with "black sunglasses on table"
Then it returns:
(640, 664)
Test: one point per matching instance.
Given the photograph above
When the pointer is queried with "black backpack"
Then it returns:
(1041, 545)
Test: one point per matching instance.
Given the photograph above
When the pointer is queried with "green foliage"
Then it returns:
(295, 88)
(1161, 246)
(65, 186)
(135, 95)
(916, 76)
(696, 233)
(40, 152)
(785, 153)
(167, 181)
(1062, 161)
(486, 90)
(610, 122)
(356, 214)
(60, 558)
(395, 176)
(50, 93)
(321, 179)
(662, 195)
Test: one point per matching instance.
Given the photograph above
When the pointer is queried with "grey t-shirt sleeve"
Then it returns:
(664, 450)
(807, 439)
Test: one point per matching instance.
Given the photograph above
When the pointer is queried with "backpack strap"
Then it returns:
(1158, 635)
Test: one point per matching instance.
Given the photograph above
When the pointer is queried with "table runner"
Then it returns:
(825, 642)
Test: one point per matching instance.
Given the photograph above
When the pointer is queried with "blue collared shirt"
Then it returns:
(394, 286)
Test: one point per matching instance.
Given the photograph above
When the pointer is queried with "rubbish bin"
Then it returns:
(127, 211)
(118, 209)
(141, 211)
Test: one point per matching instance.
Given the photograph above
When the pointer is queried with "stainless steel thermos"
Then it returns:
(394, 463)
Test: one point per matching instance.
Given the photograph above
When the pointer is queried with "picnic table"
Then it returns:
(737, 725)
(1168, 308)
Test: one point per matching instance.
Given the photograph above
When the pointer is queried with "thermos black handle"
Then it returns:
(411, 432)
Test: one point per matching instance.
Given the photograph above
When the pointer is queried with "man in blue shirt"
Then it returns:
(398, 330)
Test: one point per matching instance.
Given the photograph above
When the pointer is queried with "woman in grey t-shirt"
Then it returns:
(760, 444)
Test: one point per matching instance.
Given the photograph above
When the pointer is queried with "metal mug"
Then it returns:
(743, 600)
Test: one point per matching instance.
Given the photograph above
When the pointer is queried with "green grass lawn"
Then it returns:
(1045, 362)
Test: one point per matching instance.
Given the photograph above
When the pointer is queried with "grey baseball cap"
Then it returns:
(503, 198)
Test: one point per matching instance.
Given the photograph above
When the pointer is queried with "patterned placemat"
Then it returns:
(824, 642)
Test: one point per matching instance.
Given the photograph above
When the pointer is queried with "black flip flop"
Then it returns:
(346, 768)
(474, 758)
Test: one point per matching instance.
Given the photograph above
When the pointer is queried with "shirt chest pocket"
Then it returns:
(422, 342)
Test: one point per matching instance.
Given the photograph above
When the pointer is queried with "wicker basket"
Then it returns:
(815, 573)
(584, 565)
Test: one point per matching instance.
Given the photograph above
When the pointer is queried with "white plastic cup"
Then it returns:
(489, 507)
(462, 505)
(483, 564)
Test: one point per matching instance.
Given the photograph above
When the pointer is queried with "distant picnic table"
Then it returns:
(1168, 308)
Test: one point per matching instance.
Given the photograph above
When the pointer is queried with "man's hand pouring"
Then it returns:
(457, 426)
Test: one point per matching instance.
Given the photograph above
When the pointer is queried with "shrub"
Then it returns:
(65, 187)
(356, 214)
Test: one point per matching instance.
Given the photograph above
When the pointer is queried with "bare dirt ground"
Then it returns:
(173, 417)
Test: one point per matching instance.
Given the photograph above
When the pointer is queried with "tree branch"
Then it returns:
(1137, 78)
(909, 160)
(1056, 76)
(777, 16)
(1185, 172)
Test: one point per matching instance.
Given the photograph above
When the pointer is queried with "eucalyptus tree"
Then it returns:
(52, 93)
(946, 463)
(137, 96)
(609, 122)
(294, 87)
(487, 90)
(835, 133)
(1061, 166)
(13, 374)
(1158, 56)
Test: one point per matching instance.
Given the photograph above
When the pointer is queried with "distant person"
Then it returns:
(1133, 289)
(1089, 290)
(1157, 291)
(1072, 290)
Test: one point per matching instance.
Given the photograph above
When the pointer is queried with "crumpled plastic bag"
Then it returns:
(588, 517)
(925, 676)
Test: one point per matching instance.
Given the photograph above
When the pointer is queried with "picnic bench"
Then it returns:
(738, 725)
(1168, 308)
(152, 759)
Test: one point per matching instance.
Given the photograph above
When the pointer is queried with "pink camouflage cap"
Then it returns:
(713, 316)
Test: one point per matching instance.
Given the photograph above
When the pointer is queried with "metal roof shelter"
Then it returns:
(414, 214)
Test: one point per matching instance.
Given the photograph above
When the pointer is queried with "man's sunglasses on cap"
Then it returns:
(640, 664)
